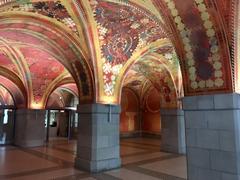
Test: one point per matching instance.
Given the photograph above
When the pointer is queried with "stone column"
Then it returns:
(62, 120)
(9, 128)
(98, 137)
(1, 124)
(29, 127)
(173, 131)
(212, 136)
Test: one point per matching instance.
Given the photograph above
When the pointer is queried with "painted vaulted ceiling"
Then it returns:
(179, 48)
(5, 96)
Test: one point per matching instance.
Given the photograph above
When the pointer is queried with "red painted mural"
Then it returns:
(41, 55)
(43, 68)
(6, 62)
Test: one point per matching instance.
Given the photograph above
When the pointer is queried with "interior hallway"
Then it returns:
(141, 160)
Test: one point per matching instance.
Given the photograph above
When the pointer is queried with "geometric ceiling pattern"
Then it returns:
(181, 49)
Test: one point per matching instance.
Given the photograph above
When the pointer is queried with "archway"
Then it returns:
(62, 119)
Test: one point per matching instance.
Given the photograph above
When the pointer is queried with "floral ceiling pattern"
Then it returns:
(51, 9)
(123, 30)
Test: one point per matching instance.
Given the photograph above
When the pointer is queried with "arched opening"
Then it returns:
(62, 119)
(129, 117)
(157, 83)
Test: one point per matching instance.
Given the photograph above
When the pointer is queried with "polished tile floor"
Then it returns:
(141, 160)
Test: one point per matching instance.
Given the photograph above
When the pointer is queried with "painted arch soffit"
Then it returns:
(5, 97)
(17, 94)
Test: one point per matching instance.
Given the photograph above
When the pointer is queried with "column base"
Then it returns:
(97, 166)
(173, 149)
(29, 143)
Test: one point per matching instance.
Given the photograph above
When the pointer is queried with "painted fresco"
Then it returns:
(162, 73)
(207, 57)
(7, 63)
(43, 69)
(5, 97)
(17, 94)
(123, 30)
(42, 56)
(51, 9)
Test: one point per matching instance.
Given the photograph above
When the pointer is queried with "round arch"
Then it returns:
(15, 86)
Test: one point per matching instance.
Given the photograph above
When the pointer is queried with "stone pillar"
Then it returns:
(212, 136)
(29, 127)
(62, 123)
(173, 131)
(9, 128)
(1, 124)
(98, 137)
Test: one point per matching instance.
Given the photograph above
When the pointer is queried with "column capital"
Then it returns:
(212, 102)
(98, 108)
(172, 111)
(30, 111)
